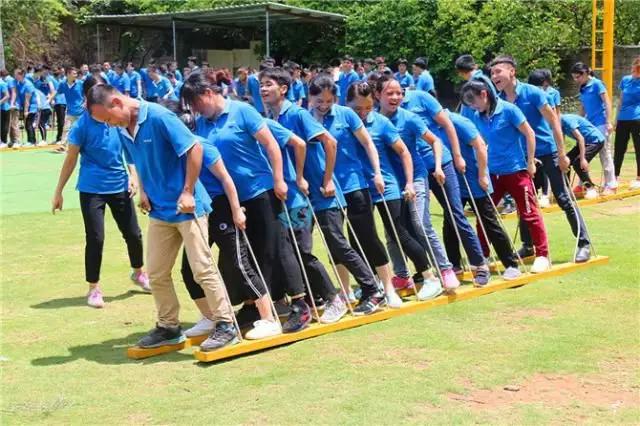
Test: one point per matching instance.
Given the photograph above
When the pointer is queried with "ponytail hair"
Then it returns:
(360, 88)
(474, 88)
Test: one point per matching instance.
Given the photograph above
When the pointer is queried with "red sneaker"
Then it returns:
(400, 283)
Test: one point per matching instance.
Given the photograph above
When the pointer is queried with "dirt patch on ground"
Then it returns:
(516, 318)
(553, 390)
(620, 208)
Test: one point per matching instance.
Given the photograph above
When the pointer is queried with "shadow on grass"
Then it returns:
(109, 352)
(71, 302)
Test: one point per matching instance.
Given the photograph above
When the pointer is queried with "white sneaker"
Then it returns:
(544, 202)
(42, 143)
(431, 289)
(3, 145)
(635, 184)
(17, 145)
(202, 327)
(511, 273)
(263, 329)
(540, 264)
(591, 194)
(59, 143)
(393, 300)
(351, 297)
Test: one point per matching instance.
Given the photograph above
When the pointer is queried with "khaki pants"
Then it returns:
(68, 122)
(14, 129)
(164, 240)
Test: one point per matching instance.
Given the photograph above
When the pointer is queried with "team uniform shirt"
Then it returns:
(210, 156)
(102, 167)
(159, 150)
(253, 85)
(178, 75)
(296, 91)
(592, 103)
(163, 87)
(342, 123)
(629, 109)
(477, 75)
(467, 133)
(410, 128)
(425, 82)
(500, 132)
(4, 91)
(147, 83)
(233, 133)
(241, 88)
(59, 99)
(29, 76)
(74, 97)
(24, 88)
(11, 85)
(121, 82)
(384, 136)
(44, 86)
(530, 99)
(405, 80)
(590, 133)
(425, 106)
(300, 122)
(134, 78)
(344, 81)
(553, 97)
(109, 76)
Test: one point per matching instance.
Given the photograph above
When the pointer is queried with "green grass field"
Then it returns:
(567, 348)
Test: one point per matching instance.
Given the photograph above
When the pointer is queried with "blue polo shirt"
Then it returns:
(162, 87)
(405, 80)
(300, 122)
(102, 167)
(121, 82)
(427, 107)
(590, 133)
(500, 132)
(43, 84)
(159, 151)
(134, 77)
(530, 99)
(147, 84)
(253, 85)
(233, 133)
(410, 128)
(384, 136)
(553, 97)
(24, 88)
(467, 133)
(296, 91)
(344, 81)
(210, 156)
(342, 122)
(477, 75)
(629, 109)
(11, 82)
(241, 88)
(594, 107)
(74, 97)
(178, 75)
(425, 82)
(59, 98)
(4, 91)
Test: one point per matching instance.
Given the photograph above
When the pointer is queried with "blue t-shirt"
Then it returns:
(59, 98)
(410, 128)
(159, 151)
(405, 80)
(74, 96)
(500, 132)
(102, 167)
(427, 107)
(592, 103)
(210, 156)
(241, 88)
(4, 91)
(629, 109)
(425, 82)
(134, 77)
(300, 122)
(530, 99)
(162, 87)
(342, 123)
(296, 91)
(253, 85)
(553, 97)
(384, 135)
(233, 133)
(121, 82)
(24, 88)
(467, 132)
(589, 132)
(344, 81)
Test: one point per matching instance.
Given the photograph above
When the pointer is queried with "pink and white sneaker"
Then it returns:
(94, 298)
(141, 279)
(400, 283)
(450, 280)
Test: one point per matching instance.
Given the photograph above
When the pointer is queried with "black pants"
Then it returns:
(398, 216)
(43, 120)
(624, 129)
(331, 226)
(360, 214)
(496, 234)
(540, 181)
(123, 212)
(61, 112)
(590, 151)
(5, 116)
(30, 122)
(561, 194)
(287, 277)
(238, 271)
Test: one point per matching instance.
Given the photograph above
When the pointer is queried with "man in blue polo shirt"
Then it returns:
(168, 158)
(135, 81)
(550, 151)
(425, 80)
(71, 89)
(346, 78)
(120, 80)
(27, 101)
(403, 77)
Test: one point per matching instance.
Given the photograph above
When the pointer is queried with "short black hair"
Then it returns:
(537, 78)
(277, 74)
(98, 94)
(421, 62)
(503, 59)
(402, 61)
(321, 83)
(347, 58)
(466, 63)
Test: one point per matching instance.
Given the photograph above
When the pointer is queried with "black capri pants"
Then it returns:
(360, 215)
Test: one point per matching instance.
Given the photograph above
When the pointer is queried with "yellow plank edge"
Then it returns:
(464, 293)
(136, 352)
(30, 148)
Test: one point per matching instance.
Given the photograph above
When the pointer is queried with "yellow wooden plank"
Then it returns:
(30, 148)
(136, 352)
(463, 293)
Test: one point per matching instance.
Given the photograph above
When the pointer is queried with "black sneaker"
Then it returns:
(247, 315)
(223, 335)
(525, 251)
(282, 307)
(319, 302)
(418, 278)
(162, 336)
(369, 304)
(299, 318)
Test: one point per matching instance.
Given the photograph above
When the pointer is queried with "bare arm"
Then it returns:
(527, 131)
(436, 145)
(300, 152)
(607, 104)
(186, 202)
(401, 150)
(52, 93)
(442, 118)
(584, 165)
(330, 149)
(220, 172)
(365, 140)
(266, 139)
(69, 164)
(480, 147)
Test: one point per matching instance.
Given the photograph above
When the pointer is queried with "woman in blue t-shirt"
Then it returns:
(628, 122)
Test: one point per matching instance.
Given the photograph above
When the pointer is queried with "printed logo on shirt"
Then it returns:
(146, 140)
